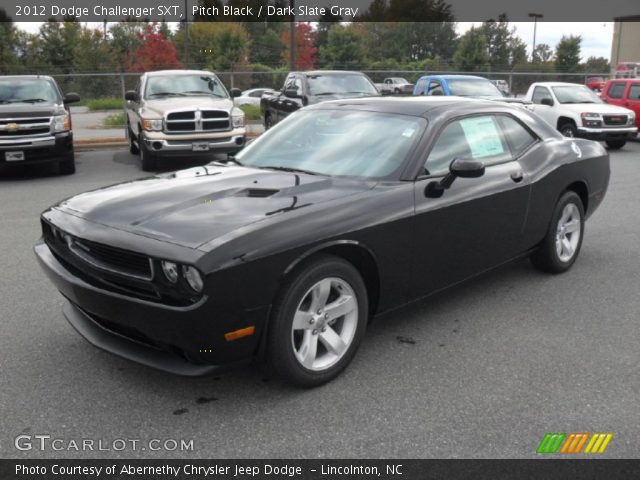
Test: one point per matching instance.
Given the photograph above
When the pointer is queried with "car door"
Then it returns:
(477, 223)
(633, 99)
(547, 112)
(435, 88)
(615, 94)
(132, 110)
(290, 105)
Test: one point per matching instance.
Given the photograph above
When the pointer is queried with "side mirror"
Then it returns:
(71, 98)
(460, 167)
(235, 92)
(131, 95)
(292, 93)
(546, 101)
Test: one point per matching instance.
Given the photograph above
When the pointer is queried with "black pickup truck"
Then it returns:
(35, 123)
(307, 88)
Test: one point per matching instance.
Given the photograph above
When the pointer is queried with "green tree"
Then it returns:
(518, 52)
(8, 58)
(568, 53)
(93, 54)
(344, 49)
(472, 53)
(325, 23)
(597, 65)
(542, 54)
(498, 37)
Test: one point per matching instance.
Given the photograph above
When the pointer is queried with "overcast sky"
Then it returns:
(596, 36)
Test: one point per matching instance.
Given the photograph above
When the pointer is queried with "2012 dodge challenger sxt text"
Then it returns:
(345, 210)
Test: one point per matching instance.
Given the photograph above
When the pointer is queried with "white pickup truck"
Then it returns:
(578, 112)
(395, 86)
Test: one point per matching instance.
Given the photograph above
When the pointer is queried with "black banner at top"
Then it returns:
(325, 10)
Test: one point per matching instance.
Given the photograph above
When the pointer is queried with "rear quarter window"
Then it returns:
(634, 91)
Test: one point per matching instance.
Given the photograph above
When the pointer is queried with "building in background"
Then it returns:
(625, 47)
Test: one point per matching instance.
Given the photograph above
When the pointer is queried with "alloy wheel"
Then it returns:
(568, 232)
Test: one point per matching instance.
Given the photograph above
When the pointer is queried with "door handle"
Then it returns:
(517, 176)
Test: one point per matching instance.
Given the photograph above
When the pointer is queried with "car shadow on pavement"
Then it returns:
(29, 172)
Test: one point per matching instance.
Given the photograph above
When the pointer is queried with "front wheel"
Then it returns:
(616, 144)
(133, 147)
(568, 130)
(560, 247)
(68, 165)
(147, 159)
(317, 322)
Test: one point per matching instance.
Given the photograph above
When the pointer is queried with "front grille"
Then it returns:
(197, 121)
(21, 127)
(615, 119)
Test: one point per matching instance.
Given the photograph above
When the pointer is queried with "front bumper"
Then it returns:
(603, 134)
(186, 340)
(164, 145)
(40, 149)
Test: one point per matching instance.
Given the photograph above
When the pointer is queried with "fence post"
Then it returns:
(124, 104)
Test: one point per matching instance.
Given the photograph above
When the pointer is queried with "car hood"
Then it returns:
(29, 110)
(194, 206)
(161, 106)
(603, 108)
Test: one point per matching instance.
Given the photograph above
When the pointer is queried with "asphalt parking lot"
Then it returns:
(482, 371)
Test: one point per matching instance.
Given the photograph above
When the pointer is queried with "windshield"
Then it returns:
(28, 90)
(330, 84)
(337, 142)
(575, 94)
(473, 87)
(184, 85)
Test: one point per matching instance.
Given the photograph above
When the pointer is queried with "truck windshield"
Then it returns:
(575, 94)
(28, 90)
(473, 87)
(337, 143)
(184, 85)
(330, 84)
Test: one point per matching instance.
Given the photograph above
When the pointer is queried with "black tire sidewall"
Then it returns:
(68, 165)
(547, 257)
(615, 144)
(280, 355)
(147, 159)
(568, 126)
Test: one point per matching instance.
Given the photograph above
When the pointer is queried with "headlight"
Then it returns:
(237, 117)
(590, 119)
(632, 118)
(61, 123)
(170, 271)
(154, 124)
(193, 278)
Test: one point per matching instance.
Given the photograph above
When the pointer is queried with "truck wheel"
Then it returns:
(616, 144)
(133, 148)
(396, 91)
(568, 130)
(147, 159)
(268, 123)
(68, 165)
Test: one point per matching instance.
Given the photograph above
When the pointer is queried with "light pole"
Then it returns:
(535, 17)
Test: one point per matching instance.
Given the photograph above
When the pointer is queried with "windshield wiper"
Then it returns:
(289, 169)
(166, 94)
(27, 100)
(200, 92)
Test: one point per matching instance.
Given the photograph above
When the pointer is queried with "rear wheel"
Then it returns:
(268, 122)
(317, 323)
(68, 165)
(616, 144)
(568, 129)
(147, 159)
(561, 246)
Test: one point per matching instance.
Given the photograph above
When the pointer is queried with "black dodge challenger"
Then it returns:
(343, 211)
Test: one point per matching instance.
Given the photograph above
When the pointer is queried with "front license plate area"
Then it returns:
(14, 156)
(200, 147)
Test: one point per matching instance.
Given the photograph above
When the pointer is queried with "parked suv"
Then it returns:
(625, 93)
(35, 123)
(179, 113)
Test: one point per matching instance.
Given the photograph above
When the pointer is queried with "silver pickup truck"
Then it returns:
(180, 113)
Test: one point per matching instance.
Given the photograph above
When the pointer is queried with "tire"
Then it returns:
(396, 91)
(132, 146)
(147, 159)
(568, 129)
(267, 121)
(561, 245)
(299, 352)
(616, 144)
(68, 165)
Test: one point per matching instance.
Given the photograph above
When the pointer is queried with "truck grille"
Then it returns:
(22, 127)
(197, 121)
(615, 119)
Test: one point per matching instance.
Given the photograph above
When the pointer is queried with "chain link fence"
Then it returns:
(113, 85)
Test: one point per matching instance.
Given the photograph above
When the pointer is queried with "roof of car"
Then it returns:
(558, 84)
(456, 77)
(32, 77)
(329, 72)
(179, 72)
(416, 106)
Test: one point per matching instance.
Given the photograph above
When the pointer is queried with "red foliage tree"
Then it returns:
(155, 53)
(305, 51)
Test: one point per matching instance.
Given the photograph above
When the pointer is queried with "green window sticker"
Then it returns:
(482, 136)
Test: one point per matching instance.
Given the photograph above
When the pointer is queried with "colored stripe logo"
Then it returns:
(572, 443)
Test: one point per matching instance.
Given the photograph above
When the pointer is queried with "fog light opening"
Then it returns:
(157, 145)
(240, 141)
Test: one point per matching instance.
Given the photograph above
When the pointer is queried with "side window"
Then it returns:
(539, 93)
(257, 93)
(634, 91)
(421, 85)
(475, 138)
(518, 136)
(297, 84)
(435, 88)
(616, 90)
(289, 83)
